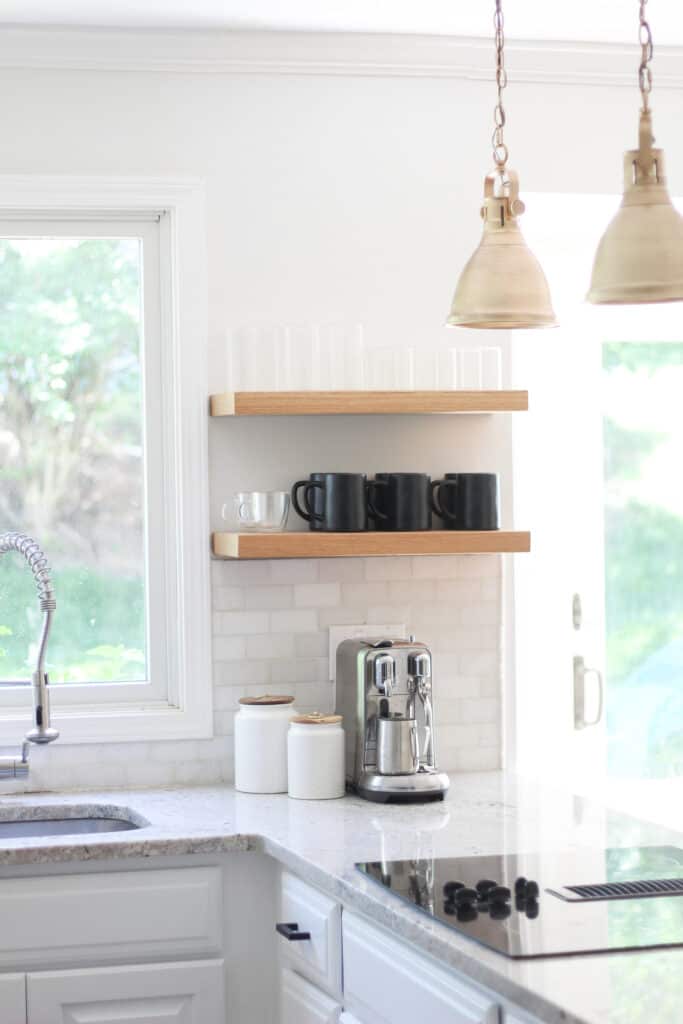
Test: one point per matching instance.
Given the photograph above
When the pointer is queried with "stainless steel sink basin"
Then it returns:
(42, 823)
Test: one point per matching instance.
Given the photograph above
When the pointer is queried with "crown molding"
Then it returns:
(337, 54)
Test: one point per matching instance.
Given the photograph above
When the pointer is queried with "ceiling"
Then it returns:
(599, 20)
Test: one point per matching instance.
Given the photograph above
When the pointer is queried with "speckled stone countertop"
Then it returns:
(322, 840)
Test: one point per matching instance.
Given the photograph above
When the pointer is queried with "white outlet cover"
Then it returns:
(339, 633)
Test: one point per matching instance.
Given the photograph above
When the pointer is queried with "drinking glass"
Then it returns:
(256, 358)
(341, 357)
(391, 369)
(491, 372)
(263, 511)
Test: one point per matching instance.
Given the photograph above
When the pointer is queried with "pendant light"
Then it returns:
(503, 284)
(640, 256)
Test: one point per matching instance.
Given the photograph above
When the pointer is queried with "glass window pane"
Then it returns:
(643, 384)
(72, 454)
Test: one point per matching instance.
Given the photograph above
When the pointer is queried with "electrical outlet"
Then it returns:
(339, 633)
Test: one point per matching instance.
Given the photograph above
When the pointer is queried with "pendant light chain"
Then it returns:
(646, 50)
(500, 150)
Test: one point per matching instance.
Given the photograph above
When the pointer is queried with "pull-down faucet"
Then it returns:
(15, 767)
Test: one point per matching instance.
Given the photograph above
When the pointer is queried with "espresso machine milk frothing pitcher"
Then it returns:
(384, 692)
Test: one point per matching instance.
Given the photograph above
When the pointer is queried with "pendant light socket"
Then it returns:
(502, 285)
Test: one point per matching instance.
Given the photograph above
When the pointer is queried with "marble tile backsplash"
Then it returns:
(270, 633)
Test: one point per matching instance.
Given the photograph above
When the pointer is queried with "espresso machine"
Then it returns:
(384, 692)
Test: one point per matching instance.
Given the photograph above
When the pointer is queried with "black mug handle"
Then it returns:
(307, 485)
(443, 513)
(372, 511)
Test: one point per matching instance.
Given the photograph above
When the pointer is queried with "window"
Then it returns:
(100, 433)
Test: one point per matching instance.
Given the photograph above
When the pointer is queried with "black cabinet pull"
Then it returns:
(291, 932)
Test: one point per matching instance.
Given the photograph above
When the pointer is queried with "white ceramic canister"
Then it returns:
(261, 726)
(315, 757)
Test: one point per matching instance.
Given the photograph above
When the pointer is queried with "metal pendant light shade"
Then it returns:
(502, 285)
(640, 256)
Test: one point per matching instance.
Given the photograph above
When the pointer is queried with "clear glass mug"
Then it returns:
(258, 510)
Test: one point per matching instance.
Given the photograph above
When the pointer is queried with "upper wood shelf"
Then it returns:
(365, 403)
(316, 544)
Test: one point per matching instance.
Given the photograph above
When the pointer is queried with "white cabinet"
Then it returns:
(303, 1003)
(318, 958)
(110, 915)
(13, 998)
(387, 982)
(172, 993)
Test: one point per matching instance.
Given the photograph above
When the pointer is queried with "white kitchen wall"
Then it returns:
(331, 193)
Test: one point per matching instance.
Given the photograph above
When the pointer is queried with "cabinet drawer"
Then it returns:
(124, 914)
(319, 957)
(191, 993)
(303, 1003)
(387, 982)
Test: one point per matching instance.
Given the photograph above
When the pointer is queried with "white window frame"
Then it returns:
(177, 702)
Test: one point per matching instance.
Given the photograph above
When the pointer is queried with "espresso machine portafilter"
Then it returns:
(384, 692)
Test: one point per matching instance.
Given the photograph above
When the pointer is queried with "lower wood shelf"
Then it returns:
(362, 545)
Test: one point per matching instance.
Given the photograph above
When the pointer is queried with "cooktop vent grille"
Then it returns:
(627, 890)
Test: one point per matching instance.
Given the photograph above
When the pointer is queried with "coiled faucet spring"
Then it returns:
(39, 566)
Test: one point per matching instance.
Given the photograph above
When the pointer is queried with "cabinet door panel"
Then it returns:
(13, 998)
(387, 982)
(176, 993)
(303, 1003)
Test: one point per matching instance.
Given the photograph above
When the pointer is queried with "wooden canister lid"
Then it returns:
(315, 718)
(267, 699)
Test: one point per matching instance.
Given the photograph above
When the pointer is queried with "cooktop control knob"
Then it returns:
(499, 894)
(464, 897)
(531, 891)
(450, 889)
(484, 886)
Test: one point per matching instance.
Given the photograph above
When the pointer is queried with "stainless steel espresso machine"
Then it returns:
(384, 692)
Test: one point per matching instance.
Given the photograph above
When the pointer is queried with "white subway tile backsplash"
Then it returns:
(364, 594)
(300, 670)
(311, 645)
(389, 569)
(272, 597)
(317, 595)
(247, 672)
(292, 570)
(270, 645)
(227, 647)
(227, 599)
(293, 621)
(344, 570)
(240, 623)
(271, 633)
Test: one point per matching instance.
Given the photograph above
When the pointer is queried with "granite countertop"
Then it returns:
(322, 840)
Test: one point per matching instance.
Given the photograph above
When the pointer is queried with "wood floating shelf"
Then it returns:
(373, 543)
(365, 403)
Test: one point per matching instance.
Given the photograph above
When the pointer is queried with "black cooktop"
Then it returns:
(549, 904)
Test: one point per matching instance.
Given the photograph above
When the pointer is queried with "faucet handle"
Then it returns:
(385, 674)
(420, 665)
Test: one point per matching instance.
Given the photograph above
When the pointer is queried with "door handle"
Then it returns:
(581, 674)
(291, 932)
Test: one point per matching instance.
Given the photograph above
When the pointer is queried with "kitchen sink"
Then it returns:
(45, 822)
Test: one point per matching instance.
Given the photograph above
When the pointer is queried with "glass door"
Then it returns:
(599, 605)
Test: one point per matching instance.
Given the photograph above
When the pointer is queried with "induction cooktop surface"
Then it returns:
(549, 904)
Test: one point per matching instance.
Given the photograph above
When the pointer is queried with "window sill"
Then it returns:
(123, 723)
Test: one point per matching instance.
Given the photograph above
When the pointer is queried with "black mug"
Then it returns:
(333, 502)
(467, 501)
(400, 501)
